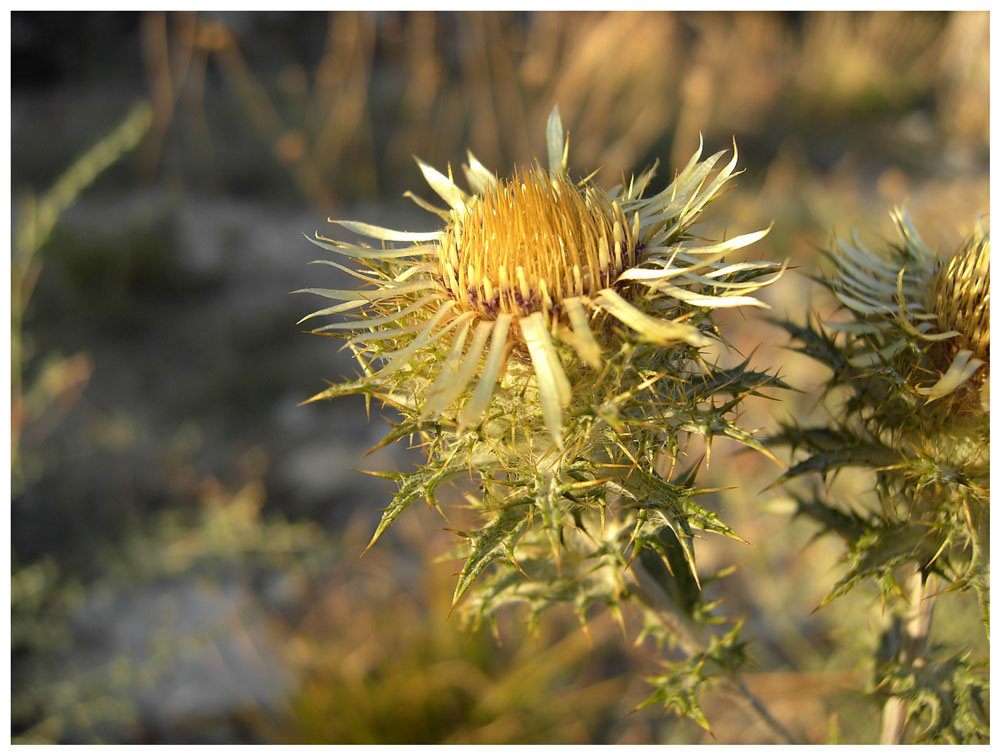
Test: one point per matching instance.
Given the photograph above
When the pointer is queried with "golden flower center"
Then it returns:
(533, 241)
(960, 296)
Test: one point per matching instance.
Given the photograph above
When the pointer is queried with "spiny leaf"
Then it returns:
(419, 484)
(678, 691)
(848, 526)
(736, 381)
(824, 463)
(876, 553)
(490, 541)
(345, 389)
(831, 448)
(815, 343)
(674, 571)
(547, 501)
(399, 431)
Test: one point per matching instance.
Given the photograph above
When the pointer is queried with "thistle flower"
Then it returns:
(910, 358)
(548, 342)
(533, 270)
(913, 299)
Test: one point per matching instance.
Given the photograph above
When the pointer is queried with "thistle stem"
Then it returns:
(694, 639)
(912, 642)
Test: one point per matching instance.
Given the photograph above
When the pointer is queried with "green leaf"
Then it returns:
(678, 691)
(878, 552)
(674, 570)
(345, 389)
(850, 527)
(815, 343)
(491, 541)
(419, 484)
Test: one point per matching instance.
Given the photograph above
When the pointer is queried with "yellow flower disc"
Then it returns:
(960, 296)
(528, 243)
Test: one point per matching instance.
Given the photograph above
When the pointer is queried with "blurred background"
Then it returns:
(186, 537)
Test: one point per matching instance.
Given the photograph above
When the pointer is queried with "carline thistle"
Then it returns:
(534, 269)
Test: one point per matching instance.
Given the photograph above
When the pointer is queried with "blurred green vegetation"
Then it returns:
(176, 515)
